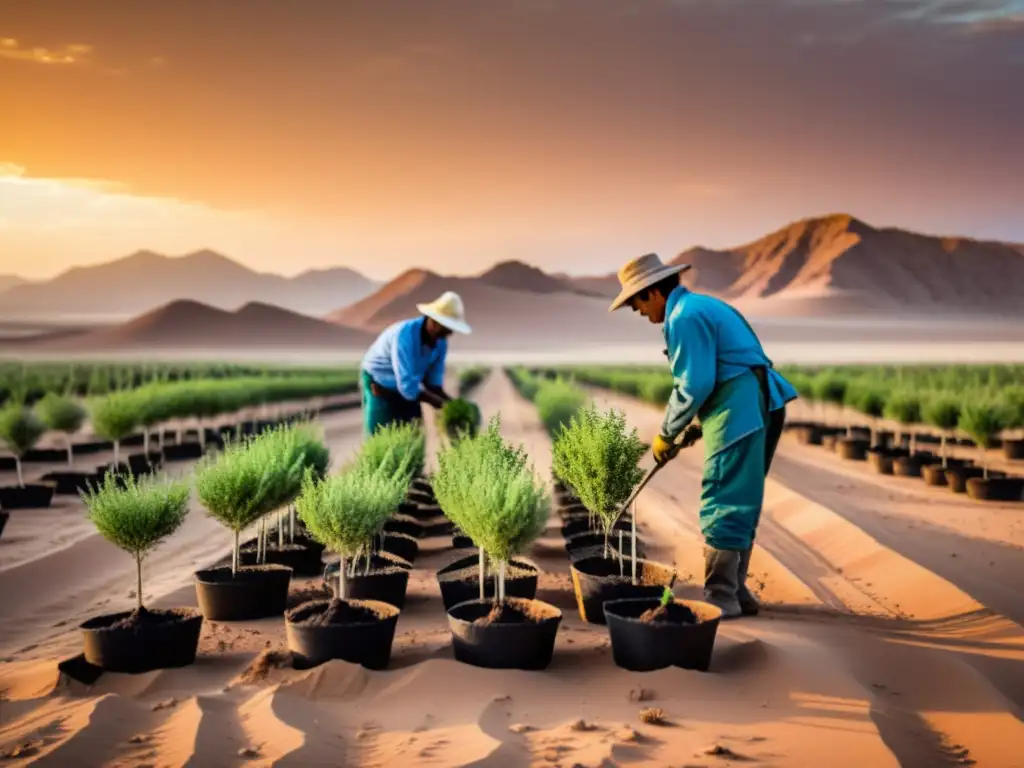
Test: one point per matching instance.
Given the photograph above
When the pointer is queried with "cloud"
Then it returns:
(71, 54)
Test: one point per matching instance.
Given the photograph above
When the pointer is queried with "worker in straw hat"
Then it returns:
(405, 365)
(721, 376)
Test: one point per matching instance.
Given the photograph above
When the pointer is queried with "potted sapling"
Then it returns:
(20, 430)
(490, 491)
(238, 487)
(345, 512)
(61, 413)
(600, 459)
(983, 420)
(114, 417)
(300, 443)
(830, 390)
(1013, 448)
(136, 517)
(904, 407)
(649, 633)
(942, 411)
(865, 398)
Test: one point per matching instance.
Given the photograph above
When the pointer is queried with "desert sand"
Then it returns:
(891, 636)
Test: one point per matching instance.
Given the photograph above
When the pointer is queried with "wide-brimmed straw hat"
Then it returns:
(641, 273)
(447, 309)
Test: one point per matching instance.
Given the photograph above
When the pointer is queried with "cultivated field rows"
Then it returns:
(877, 646)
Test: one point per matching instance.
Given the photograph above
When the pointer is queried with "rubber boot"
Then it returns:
(721, 568)
(749, 604)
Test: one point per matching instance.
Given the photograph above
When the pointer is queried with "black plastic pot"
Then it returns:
(852, 448)
(168, 640)
(881, 462)
(577, 526)
(596, 580)
(460, 581)
(996, 488)
(254, 593)
(808, 435)
(907, 466)
(829, 442)
(1013, 449)
(70, 483)
(934, 475)
(303, 557)
(587, 540)
(421, 499)
(44, 456)
(92, 446)
(526, 644)
(957, 477)
(386, 582)
(365, 640)
(421, 512)
(183, 452)
(440, 526)
(402, 545)
(145, 462)
(421, 485)
(406, 524)
(4, 517)
(569, 511)
(462, 542)
(32, 496)
(644, 647)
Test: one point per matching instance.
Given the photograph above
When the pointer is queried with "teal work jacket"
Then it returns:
(712, 351)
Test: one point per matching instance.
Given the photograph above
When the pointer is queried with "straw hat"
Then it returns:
(641, 273)
(448, 311)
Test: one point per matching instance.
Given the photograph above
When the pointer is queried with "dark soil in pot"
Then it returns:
(852, 448)
(460, 581)
(142, 640)
(303, 557)
(584, 525)
(996, 488)
(183, 452)
(402, 545)
(517, 634)
(957, 477)
(406, 524)
(32, 496)
(386, 582)
(70, 483)
(4, 517)
(1013, 449)
(596, 580)
(356, 631)
(255, 592)
(646, 636)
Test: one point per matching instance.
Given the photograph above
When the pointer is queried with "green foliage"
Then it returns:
(491, 493)
(867, 397)
(60, 413)
(395, 447)
(345, 511)
(904, 406)
(983, 420)
(941, 410)
(136, 515)
(20, 428)
(459, 418)
(114, 416)
(557, 401)
(667, 597)
(829, 387)
(596, 456)
(470, 378)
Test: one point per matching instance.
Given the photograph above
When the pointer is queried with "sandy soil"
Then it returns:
(868, 654)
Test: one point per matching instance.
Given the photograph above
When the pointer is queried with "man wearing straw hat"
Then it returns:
(722, 376)
(405, 366)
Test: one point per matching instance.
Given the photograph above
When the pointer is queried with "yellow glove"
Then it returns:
(662, 449)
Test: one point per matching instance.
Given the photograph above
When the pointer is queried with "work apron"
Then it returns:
(387, 407)
(732, 487)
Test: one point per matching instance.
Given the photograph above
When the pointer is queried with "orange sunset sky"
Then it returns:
(569, 133)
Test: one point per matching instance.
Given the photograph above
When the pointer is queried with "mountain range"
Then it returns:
(811, 269)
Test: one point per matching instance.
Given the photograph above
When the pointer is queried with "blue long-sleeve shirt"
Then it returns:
(399, 359)
(712, 351)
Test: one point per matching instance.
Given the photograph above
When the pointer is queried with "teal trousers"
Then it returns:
(379, 411)
(732, 489)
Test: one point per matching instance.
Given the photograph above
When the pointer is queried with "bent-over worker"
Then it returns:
(405, 366)
(721, 375)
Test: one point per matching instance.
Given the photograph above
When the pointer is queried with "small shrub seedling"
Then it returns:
(868, 398)
(395, 446)
(599, 459)
(904, 407)
(459, 418)
(20, 429)
(135, 516)
(942, 411)
(829, 387)
(489, 490)
(983, 420)
(114, 416)
(557, 400)
(346, 511)
(61, 414)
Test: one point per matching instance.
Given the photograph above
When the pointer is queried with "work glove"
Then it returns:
(665, 450)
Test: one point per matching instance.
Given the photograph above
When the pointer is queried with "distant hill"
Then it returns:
(145, 280)
(9, 281)
(842, 261)
(191, 325)
(517, 276)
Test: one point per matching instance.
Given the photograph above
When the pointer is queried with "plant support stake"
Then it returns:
(483, 574)
(632, 509)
